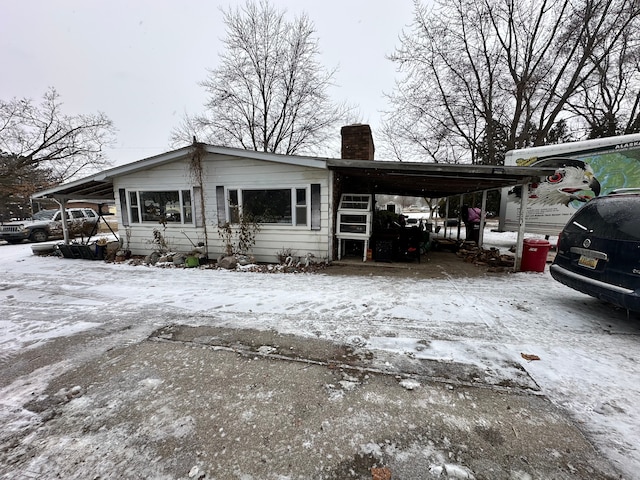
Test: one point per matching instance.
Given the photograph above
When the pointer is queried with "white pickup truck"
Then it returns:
(47, 224)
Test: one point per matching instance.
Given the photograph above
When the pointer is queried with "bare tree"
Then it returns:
(269, 92)
(450, 62)
(40, 146)
(481, 77)
(609, 104)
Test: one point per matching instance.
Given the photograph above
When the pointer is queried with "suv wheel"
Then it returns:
(38, 236)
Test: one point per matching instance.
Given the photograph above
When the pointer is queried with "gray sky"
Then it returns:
(140, 61)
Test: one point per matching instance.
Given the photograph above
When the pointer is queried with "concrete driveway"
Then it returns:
(219, 403)
(116, 371)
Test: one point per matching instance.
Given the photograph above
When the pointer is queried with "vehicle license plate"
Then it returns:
(588, 262)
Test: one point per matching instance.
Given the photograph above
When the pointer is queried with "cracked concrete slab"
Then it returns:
(208, 402)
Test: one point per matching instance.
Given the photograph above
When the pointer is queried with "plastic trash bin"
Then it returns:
(534, 255)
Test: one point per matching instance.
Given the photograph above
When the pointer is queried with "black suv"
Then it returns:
(599, 250)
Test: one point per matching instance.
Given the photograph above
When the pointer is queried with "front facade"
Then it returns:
(197, 198)
(200, 196)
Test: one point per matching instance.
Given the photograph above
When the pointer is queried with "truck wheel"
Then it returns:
(38, 236)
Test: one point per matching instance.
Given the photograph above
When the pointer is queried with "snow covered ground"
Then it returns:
(588, 350)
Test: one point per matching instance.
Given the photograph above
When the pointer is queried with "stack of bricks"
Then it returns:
(357, 142)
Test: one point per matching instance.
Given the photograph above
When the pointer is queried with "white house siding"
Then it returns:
(231, 173)
(172, 176)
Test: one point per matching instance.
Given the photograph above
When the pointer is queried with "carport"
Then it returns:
(93, 189)
(433, 180)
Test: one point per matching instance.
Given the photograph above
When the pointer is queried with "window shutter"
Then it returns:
(198, 207)
(315, 206)
(124, 211)
(221, 206)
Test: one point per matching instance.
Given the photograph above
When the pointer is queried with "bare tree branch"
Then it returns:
(269, 92)
(499, 74)
(41, 147)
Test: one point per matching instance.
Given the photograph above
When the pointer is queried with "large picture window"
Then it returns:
(172, 206)
(280, 206)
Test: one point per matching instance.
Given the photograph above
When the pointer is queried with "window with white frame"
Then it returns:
(169, 206)
(279, 206)
(301, 206)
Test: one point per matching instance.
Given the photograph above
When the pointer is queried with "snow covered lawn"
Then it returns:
(588, 351)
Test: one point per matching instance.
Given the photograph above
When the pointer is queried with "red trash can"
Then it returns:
(534, 255)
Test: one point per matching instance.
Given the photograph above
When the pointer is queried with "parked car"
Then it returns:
(598, 250)
(47, 224)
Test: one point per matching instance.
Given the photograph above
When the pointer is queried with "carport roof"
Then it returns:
(432, 180)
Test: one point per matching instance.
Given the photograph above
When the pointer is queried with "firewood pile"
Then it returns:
(481, 257)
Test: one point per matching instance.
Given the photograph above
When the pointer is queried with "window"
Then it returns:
(161, 207)
(355, 202)
(353, 223)
(44, 214)
(187, 211)
(279, 206)
(301, 206)
(354, 216)
(234, 208)
(133, 203)
(268, 206)
(611, 217)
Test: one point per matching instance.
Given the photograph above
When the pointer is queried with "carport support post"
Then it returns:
(483, 213)
(521, 227)
(460, 201)
(62, 201)
(446, 218)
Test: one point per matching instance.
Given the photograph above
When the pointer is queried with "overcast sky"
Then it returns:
(140, 62)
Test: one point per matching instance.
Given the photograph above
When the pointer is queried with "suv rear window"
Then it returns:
(613, 217)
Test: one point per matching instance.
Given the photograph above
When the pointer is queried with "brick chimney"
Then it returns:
(357, 142)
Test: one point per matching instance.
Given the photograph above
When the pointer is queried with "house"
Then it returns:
(192, 195)
(189, 194)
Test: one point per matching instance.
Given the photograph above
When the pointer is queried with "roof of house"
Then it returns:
(100, 185)
(430, 180)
